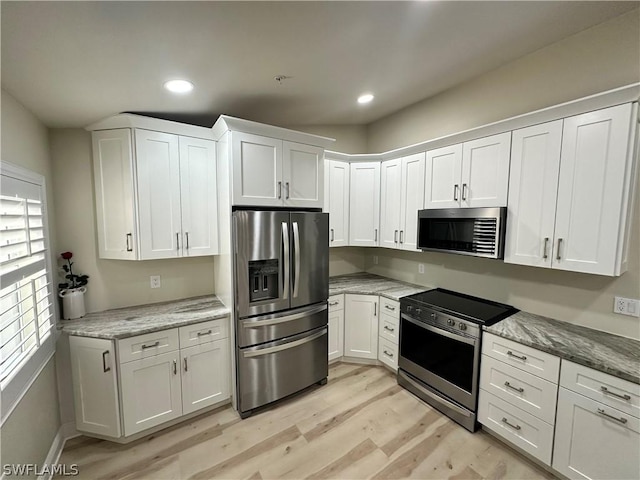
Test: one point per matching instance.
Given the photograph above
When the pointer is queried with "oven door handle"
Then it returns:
(439, 331)
(433, 396)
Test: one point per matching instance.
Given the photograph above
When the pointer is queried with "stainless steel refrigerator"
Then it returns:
(281, 313)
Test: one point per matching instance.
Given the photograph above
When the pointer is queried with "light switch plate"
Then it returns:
(155, 281)
(627, 306)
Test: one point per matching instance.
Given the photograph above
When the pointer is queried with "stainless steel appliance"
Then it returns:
(440, 340)
(281, 314)
(468, 231)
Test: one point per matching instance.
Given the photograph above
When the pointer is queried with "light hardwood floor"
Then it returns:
(360, 425)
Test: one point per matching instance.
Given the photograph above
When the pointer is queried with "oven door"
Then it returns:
(445, 361)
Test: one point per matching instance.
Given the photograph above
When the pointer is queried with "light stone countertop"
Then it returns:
(608, 353)
(363, 283)
(131, 321)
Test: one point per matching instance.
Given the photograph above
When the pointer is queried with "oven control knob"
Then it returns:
(418, 311)
(462, 326)
(434, 315)
(409, 308)
(450, 322)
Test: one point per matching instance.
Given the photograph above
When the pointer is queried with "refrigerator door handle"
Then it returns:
(285, 244)
(296, 248)
(286, 346)
(283, 318)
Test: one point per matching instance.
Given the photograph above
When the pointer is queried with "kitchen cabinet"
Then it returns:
(95, 385)
(153, 379)
(361, 326)
(401, 196)
(594, 438)
(364, 204)
(276, 173)
(472, 174)
(336, 327)
(389, 332)
(569, 193)
(336, 200)
(157, 199)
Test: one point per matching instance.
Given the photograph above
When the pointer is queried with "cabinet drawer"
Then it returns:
(516, 426)
(389, 307)
(602, 387)
(147, 345)
(532, 394)
(336, 302)
(204, 332)
(389, 328)
(388, 353)
(541, 364)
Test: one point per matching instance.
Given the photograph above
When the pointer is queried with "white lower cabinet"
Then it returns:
(145, 385)
(389, 330)
(336, 327)
(361, 326)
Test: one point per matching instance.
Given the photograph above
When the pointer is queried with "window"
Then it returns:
(27, 313)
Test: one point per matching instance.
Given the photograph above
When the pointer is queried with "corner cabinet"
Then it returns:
(155, 194)
(364, 204)
(361, 326)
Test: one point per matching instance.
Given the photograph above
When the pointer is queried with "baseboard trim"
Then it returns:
(66, 432)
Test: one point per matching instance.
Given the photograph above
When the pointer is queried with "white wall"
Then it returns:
(28, 432)
(348, 138)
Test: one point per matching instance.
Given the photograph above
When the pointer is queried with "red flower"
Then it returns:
(66, 255)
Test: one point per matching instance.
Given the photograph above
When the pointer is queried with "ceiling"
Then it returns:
(73, 63)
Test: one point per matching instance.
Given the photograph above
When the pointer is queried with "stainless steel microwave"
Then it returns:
(467, 231)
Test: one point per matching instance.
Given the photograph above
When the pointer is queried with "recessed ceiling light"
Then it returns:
(178, 86)
(365, 98)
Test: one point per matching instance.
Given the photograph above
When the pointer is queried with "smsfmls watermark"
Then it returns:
(24, 469)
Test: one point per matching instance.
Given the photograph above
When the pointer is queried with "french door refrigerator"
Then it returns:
(281, 313)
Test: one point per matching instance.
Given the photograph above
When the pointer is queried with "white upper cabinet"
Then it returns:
(533, 186)
(596, 174)
(337, 202)
(390, 197)
(472, 174)
(276, 173)
(364, 204)
(115, 201)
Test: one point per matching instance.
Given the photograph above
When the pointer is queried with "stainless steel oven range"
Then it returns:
(440, 340)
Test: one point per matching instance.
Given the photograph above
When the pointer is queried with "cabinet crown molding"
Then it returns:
(130, 120)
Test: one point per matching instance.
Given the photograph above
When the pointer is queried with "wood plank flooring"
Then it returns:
(360, 425)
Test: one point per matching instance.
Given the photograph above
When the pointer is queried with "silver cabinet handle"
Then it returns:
(606, 391)
(332, 235)
(104, 361)
(388, 353)
(516, 427)
(389, 329)
(178, 241)
(611, 417)
(286, 346)
(153, 345)
(544, 249)
(333, 304)
(464, 191)
(287, 187)
(511, 354)
(375, 235)
(175, 367)
(296, 258)
(186, 367)
(129, 247)
(202, 334)
(285, 246)
(393, 309)
(508, 385)
(375, 309)
(279, 189)
(395, 236)
(187, 235)
(455, 192)
(558, 250)
(401, 236)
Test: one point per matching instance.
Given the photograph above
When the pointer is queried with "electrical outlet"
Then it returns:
(375, 259)
(627, 306)
(421, 268)
(155, 281)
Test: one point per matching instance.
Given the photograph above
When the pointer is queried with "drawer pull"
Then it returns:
(333, 304)
(508, 385)
(515, 427)
(511, 354)
(202, 334)
(611, 417)
(389, 354)
(389, 329)
(153, 345)
(393, 309)
(606, 391)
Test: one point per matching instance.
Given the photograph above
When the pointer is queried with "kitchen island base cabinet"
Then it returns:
(361, 326)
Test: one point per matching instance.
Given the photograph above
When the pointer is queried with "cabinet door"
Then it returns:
(198, 197)
(336, 334)
(158, 174)
(113, 175)
(390, 195)
(337, 202)
(361, 326)
(364, 204)
(302, 175)
(485, 171)
(95, 385)
(594, 441)
(533, 186)
(442, 177)
(412, 200)
(205, 375)
(592, 191)
(257, 170)
(151, 391)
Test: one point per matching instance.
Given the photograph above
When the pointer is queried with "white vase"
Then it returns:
(73, 302)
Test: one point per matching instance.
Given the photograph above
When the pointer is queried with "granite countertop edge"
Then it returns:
(370, 284)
